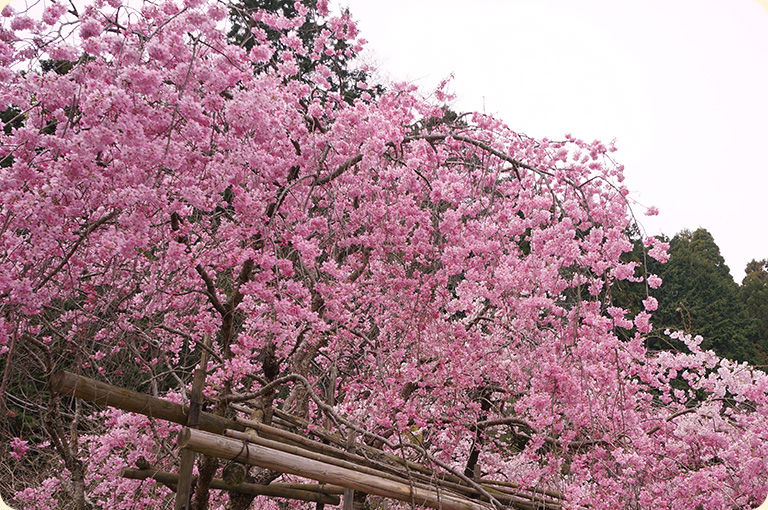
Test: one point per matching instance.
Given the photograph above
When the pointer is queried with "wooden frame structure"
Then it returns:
(371, 470)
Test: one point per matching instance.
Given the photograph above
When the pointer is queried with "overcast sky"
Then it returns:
(681, 85)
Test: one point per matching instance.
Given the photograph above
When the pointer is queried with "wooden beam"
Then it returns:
(303, 492)
(258, 455)
(73, 385)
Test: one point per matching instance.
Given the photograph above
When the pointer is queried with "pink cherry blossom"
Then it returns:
(442, 285)
(652, 211)
(650, 303)
(18, 448)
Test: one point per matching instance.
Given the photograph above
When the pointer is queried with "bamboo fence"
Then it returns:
(367, 469)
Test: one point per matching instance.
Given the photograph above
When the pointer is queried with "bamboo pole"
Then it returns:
(349, 494)
(252, 439)
(370, 451)
(242, 451)
(67, 383)
(518, 487)
(522, 498)
(286, 437)
(300, 423)
(303, 492)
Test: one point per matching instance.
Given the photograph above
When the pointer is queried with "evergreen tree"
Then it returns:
(753, 296)
(699, 296)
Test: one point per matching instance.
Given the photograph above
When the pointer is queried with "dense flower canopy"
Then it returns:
(437, 281)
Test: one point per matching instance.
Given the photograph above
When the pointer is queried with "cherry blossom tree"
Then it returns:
(440, 285)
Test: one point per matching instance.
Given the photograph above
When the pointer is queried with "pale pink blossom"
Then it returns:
(652, 211)
(654, 281)
(650, 303)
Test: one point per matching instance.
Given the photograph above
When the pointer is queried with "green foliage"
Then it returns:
(344, 80)
(430, 124)
(57, 66)
(753, 296)
(756, 270)
(12, 118)
(699, 296)
(242, 21)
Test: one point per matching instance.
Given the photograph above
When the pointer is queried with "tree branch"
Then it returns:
(210, 289)
(91, 228)
(339, 170)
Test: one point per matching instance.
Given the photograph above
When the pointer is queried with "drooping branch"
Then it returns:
(481, 145)
(513, 420)
(93, 226)
(210, 289)
(191, 339)
(318, 401)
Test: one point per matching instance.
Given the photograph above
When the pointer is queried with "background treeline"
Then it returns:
(700, 296)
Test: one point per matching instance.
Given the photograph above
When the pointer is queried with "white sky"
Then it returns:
(682, 85)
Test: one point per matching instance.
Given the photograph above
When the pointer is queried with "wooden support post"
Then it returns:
(303, 492)
(73, 385)
(193, 421)
(249, 453)
(349, 494)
